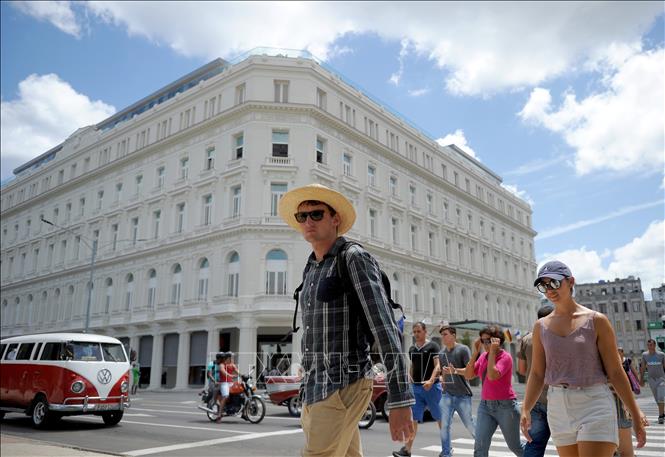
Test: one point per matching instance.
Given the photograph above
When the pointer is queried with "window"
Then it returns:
(455, 178)
(638, 325)
(114, 237)
(180, 217)
(321, 99)
(371, 175)
(414, 238)
(281, 91)
(156, 217)
(207, 210)
(393, 186)
(27, 228)
(49, 259)
(118, 192)
(77, 248)
(625, 306)
(234, 274)
(68, 212)
(277, 191)
(184, 168)
(372, 223)
(636, 307)
(346, 164)
(430, 203)
(24, 351)
(394, 225)
(129, 296)
(210, 159)
(109, 295)
(239, 144)
(135, 230)
(152, 288)
(61, 176)
(100, 199)
(176, 284)
(412, 193)
(56, 214)
(240, 94)
(161, 174)
(276, 264)
(431, 244)
(139, 184)
(236, 201)
(320, 150)
(414, 292)
(35, 260)
(72, 171)
(280, 143)
(203, 279)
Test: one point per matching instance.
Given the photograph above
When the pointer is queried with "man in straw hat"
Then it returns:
(335, 346)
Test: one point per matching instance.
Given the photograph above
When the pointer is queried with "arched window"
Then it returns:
(5, 310)
(42, 308)
(276, 265)
(152, 288)
(129, 295)
(14, 318)
(204, 269)
(451, 303)
(30, 317)
(434, 292)
(109, 295)
(414, 294)
(176, 284)
(234, 274)
(395, 285)
(55, 311)
(70, 302)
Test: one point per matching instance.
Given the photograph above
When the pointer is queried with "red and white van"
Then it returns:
(52, 375)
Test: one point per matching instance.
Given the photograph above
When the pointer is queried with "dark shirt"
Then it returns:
(330, 361)
(458, 357)
(423, 361)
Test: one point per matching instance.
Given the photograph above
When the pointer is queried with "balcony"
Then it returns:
(279, 164)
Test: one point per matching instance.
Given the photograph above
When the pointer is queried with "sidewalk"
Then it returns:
(16, 446)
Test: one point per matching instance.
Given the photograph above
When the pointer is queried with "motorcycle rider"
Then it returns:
(227, 369)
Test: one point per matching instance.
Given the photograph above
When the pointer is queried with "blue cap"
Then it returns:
(553, 270)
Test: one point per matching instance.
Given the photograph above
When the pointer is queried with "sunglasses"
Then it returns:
(554, 284)
(315, 215)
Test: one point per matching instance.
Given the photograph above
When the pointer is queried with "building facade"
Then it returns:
(622, 301)
(179, 194)
(656, 309)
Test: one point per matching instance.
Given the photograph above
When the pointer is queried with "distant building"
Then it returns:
(622, 301)
(656, 313)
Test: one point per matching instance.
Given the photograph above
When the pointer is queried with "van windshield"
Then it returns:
(113, 352)
(83, 351)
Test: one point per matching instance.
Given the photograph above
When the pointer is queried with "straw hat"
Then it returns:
(288, 205)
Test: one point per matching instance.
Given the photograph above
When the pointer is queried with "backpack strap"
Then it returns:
(296, 297)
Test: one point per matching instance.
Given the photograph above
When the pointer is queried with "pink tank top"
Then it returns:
(574, 359)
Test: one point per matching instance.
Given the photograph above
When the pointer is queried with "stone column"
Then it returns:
(182, 374)
(213, 341)
(157, 355)
(246, 358)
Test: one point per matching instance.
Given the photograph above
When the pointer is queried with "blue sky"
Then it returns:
(563, 100)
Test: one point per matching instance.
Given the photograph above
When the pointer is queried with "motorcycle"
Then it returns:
(241, 402)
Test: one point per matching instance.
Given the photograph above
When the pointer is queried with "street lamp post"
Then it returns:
(93, 248)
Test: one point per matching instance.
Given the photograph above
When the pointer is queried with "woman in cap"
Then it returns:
(575, 353)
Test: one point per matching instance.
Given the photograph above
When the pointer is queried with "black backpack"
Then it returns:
(343, 274)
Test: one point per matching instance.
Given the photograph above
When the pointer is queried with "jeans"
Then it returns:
(506, 415)
(449, 404)
(539, 432)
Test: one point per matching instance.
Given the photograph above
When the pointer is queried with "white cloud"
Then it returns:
(534, 166)
(396, 77)
(642, 257)
(60, 14)
(45, 113)
(458, 139)
(554, 231)
(618, 129)
(418, 92)
(518, 193)
(483, 47)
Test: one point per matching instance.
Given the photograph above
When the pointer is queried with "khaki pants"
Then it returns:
(331, 425)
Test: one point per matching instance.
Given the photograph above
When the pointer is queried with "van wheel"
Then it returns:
(112, 418)
(41, 415)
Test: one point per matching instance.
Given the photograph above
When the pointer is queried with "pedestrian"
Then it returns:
(214, 382)
(540, 429)
(498, 402)
(336, 349)
(575, 353)
(227, 370)
(625, 448)
(653, 361)
(136, 375)
(424, 373)
(457, 393)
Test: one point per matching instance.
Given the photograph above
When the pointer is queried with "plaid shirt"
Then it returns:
(330, 360)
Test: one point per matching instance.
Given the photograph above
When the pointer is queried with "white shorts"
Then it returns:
(582, 414)
(224, 388)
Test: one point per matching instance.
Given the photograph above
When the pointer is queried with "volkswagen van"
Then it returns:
(51, 375)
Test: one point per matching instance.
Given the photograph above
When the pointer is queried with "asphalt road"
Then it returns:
(169, 424)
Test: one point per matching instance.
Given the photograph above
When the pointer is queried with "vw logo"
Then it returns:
(104, 376)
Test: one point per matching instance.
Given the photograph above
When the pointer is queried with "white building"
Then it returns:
(180, 192)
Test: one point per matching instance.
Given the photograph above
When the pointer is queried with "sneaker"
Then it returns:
(402, 453)
(661, 420)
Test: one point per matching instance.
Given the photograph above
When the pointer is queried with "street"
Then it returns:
(169, 424)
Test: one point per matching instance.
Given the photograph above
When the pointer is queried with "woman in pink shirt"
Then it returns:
(498, 402)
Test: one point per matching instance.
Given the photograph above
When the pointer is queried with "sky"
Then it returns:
(565, 101)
